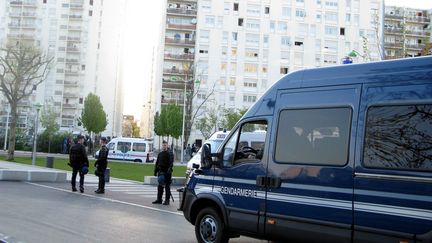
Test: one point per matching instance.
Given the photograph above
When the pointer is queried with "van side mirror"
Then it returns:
(206, 157)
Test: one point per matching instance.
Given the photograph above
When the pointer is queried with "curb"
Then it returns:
(176, 181)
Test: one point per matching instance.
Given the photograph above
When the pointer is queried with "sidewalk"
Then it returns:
(10, 171)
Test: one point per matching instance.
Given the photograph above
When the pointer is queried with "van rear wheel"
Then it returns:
(138, 161)
(209, 227)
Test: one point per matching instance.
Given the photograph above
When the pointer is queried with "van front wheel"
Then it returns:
(209, 227)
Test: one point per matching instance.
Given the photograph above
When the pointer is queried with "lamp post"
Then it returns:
(183, 122)
(7, 128)
(38, 107)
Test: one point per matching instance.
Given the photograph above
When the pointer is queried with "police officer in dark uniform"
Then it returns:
(101, 165)
(78, 159)
(163, 170)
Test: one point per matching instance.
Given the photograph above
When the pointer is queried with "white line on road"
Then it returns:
(107, 199)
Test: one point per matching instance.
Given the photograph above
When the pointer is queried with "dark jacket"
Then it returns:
(102, 162)
(78, 156)
(164, 163)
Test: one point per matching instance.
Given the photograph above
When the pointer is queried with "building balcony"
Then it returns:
(173, 71)
(71, 72)
(397, 45)
(179, 57)
(69, 106)
(72, 49)
(69, 95)
(179, 11)
(76, 39)
(22, 26)
(418, 19)
(418, 33)
(75, 27)
(71, 83)
(24, 3)
(21, 36)
(76, 6)
(71, 60)
(181, 26)
(416, 47)
(23, 15)
(397, 31)
(75, 16)
(393, 16)
(179, 42)
(177, 85)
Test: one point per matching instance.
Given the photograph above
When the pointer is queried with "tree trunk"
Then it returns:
(12, 131)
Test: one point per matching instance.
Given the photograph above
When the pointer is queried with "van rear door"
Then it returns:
(313, 157)
(393, 185)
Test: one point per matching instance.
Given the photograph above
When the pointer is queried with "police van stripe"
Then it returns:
(393, 210)
(331, 203)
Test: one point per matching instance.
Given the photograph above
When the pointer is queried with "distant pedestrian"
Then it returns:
(101, 165)
(189, 150)
(163, 170)
(79, 163)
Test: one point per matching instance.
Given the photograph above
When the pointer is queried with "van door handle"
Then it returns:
(275, 182)
(261, 181)
(266, 181)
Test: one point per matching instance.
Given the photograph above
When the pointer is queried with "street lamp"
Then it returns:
(38, 107)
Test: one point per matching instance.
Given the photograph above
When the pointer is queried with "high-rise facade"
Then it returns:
(243, 46)
(407, 32)
(72, 33)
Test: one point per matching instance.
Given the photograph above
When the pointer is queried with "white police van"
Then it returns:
(215, 140)
(347, 157)
(130, 149)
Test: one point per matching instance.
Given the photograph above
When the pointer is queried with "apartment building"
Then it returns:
(243, 46)
(407, 32)
(70, 31)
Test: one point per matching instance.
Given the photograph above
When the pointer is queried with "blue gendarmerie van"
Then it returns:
(347, 157)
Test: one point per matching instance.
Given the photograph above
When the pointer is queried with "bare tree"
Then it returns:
(22, 69)
(194, 88)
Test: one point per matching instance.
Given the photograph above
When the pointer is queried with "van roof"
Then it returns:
(221, 135)
(131, 139)
(389, 71)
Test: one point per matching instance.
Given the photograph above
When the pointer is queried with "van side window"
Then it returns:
(139, 147)
(248, 145)
(111, 146)
(124, 146)
(313, 136)
(399, 137)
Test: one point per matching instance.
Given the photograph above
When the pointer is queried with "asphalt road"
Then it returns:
(50, 212)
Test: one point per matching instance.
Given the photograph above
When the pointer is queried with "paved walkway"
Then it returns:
(10, 171)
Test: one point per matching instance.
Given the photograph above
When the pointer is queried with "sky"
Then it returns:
(142, 32)
(141, 36)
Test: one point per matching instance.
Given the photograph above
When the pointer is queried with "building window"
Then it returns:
(283, 70)
(342, 31)
(300, 13)
(236, 7)
(313, 136)
(240, 22)
(285, 41)
(91, 2)
(81, 100)
(90, 12)
(267, 10)
(399, 137)
(286, 12)
(330, 30)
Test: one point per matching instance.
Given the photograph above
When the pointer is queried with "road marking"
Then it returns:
(107, 199)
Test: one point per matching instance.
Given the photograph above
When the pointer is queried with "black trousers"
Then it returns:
(167, 187)
(75, 171)
(101, 177)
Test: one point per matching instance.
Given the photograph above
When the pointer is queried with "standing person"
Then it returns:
(101, 165)
(163, 170)
(78, 161)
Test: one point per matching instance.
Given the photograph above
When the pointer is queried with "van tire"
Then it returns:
(209, 227)
(138, 161)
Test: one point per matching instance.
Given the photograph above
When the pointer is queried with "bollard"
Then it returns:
(107, 174)
(49, 162)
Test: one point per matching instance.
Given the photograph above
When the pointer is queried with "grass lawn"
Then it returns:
(129, 171)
